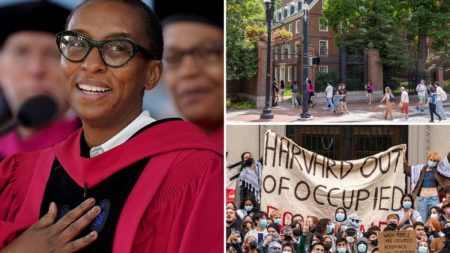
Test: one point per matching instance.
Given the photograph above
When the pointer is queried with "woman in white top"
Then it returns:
(407, 215)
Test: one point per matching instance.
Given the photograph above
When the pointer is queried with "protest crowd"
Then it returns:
(425, 211)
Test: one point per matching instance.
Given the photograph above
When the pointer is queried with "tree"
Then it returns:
(389, 25)
(428, 19)
(360, 22)
(241, 55)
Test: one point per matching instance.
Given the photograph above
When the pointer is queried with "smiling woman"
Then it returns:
(151, 179)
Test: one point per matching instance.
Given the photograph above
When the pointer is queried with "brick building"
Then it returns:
(288, 56)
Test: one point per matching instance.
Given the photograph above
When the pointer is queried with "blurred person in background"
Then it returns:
(193, 63)
(34, 113)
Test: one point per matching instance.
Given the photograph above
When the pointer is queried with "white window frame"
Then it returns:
(296, 51)
(289, 77)
(320, 51)
(289, 51)
(297, 26)
(275, 53)
(323, 68)
(290, 27)
(320, 25)
(282, 52)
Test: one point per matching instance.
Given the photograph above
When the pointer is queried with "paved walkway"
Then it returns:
(358, 112)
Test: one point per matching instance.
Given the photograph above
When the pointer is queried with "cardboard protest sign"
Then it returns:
(397, 241)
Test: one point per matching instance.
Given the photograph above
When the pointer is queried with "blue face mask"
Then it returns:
(263, 223)
(362, 248)
(341, 250)
(407, 204)
(432, 164)
(340, 217)
(277, 221)
(248, 208)
(330, 229)
(423, 249)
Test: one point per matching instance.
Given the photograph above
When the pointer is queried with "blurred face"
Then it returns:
(29, 66)
(194, 71)
(101, 95)
(247, 156)
(271, 231)
(372, 237)
(318, 248)
(420, 231)
(231, 215)
(392, 220)
(287, 249)
(341, 245)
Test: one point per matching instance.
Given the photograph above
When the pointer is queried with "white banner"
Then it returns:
(296, 180)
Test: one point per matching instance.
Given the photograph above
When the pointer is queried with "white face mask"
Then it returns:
(434, 216)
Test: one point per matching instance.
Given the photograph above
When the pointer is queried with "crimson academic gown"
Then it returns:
(176, 204)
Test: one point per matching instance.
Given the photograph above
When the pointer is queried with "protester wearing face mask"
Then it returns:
(260, 231)
(436, 213)
(422, 247)
(248, 207)
(438, 244)
(340, 217)
(250, 178)
(373, 241)
(362, 245)
(275, 216)
(328, 243)
(350, 236)
(342, 245)
(392, 222)
(426, 181)
(407, 214)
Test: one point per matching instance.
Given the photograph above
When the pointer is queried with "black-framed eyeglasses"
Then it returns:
(114, 53)
(203, 56)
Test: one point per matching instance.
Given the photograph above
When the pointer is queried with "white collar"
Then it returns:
(137, 124)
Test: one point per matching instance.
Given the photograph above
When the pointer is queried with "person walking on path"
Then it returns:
(295, 90)
(275, 90)
(432, 100)
(421, 93)
(389, 99)
(343, 100)
(310, 89)
(404, 102)
(329, 96)
(370, 91)
(441, 97)
(282, 90)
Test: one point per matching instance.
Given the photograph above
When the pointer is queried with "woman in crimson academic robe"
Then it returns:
(124, 182)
